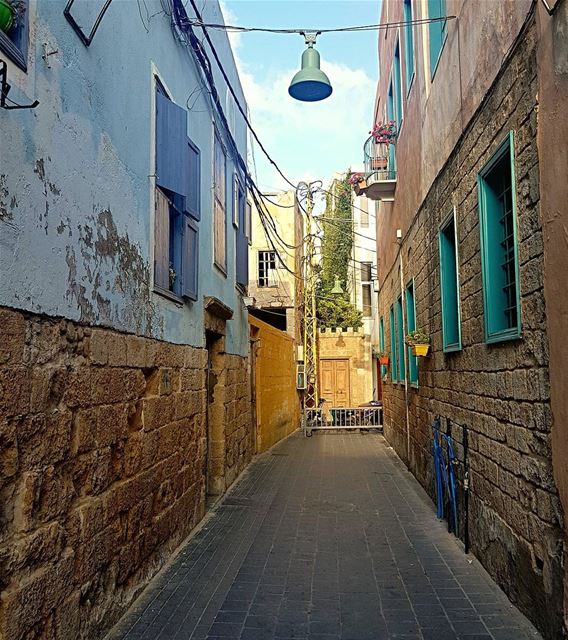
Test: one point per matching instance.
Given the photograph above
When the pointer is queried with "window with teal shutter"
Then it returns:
(408, 43)
(400, 341)
(411, 326)
(391, 116)
(498, 234)
(382, 343)
(397, 83)
(437, 32)
(393, 357)
(449, 285)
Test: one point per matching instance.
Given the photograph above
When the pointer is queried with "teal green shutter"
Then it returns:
(449, 286)
(391, 116)
(499, 253)
(394, 372)
(411, 326)
(382, 343)
(397, 79)
(437, 31)
(408, 43)
(400, 341)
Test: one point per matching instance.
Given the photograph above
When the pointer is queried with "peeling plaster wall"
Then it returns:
(77, 174)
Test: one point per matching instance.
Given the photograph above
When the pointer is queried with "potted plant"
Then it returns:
(11, 13)
(384, 358)
(172, 275)
(357, 180)
(379, 163)
(384, 132)
(419, 341)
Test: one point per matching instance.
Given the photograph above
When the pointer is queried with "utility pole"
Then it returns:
(311, 394)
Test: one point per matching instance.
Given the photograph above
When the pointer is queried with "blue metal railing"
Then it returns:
(380, 160)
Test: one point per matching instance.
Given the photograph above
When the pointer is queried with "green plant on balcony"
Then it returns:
(384, 133)
(356, 179)
(11, 13)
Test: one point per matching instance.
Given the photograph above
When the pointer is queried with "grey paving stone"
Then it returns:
(332, 541)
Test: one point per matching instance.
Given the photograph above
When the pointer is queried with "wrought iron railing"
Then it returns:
(343, 418)
(379, 159)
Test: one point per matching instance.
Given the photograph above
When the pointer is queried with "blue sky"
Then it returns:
(308, 141)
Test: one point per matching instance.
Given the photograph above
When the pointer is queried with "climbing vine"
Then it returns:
(335, 310)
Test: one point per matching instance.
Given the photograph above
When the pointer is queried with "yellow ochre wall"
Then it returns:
(277, 402)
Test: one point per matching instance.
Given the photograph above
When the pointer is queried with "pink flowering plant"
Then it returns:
(384, 133)
(355, 178)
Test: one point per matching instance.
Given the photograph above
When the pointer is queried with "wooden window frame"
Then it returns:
(409, 46)
(18, 54)
(399, 316)
(444, 35)
(411, 314)
(449, 347)
(393, 347)
(264, 259)
(492, 335)
(219, 204)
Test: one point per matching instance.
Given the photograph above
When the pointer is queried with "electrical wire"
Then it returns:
(302, 31)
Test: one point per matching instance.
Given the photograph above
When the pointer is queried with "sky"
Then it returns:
(309, 141)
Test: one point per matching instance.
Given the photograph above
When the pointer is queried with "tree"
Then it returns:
(335, 310)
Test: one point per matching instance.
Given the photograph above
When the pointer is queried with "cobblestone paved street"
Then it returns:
(324, 538)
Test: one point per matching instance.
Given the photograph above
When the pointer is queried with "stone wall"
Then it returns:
(102, 468)
(277, 400)
(499, 392)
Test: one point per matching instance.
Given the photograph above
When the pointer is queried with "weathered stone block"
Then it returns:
(12, 337)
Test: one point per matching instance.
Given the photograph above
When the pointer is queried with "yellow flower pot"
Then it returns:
(420, 350)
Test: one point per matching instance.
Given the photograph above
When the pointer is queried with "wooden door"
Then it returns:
(334, 382)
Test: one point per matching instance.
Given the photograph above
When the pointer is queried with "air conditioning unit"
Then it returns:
(300, 376)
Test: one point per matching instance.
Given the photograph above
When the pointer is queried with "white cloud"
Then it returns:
(307, 140)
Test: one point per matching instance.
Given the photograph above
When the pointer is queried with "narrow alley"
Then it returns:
(324, 538)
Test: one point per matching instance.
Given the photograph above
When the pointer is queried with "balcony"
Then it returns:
(380, 171)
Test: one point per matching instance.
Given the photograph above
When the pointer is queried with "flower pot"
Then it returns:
(384, 360)
(7, 17)
(360, 186)
(420, 350)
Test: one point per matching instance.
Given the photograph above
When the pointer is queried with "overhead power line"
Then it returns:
(303, 30)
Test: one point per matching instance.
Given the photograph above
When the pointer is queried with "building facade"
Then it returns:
(468, 201)
(125, 386)
(273, 276)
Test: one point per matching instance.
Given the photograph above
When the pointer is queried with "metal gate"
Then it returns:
(342, 418)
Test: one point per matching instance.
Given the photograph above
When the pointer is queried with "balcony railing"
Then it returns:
(380, 171)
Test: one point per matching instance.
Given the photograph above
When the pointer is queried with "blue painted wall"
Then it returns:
(77, 173)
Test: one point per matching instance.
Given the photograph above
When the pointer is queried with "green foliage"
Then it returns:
(335, 311)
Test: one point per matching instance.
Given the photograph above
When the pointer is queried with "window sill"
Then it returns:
(169, 295)
(452, 349)
(12, 52)
(507, 336)
(222, 270)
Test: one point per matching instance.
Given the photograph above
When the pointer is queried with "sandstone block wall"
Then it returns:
(277, 400)
(102, 468)
(500, 392)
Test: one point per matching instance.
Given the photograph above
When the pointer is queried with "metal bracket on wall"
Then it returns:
(5, 90)
(86, 40)
(550, 6)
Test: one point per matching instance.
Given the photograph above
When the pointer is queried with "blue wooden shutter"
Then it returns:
(190, 259)
(193, 199)
(171, 146)
(242, 242)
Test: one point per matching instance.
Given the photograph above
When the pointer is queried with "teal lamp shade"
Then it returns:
(310, 84)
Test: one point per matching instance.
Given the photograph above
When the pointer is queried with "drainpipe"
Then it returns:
(405, 355)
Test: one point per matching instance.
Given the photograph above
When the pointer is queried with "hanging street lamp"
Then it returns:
(310, 84)
(337, 290)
